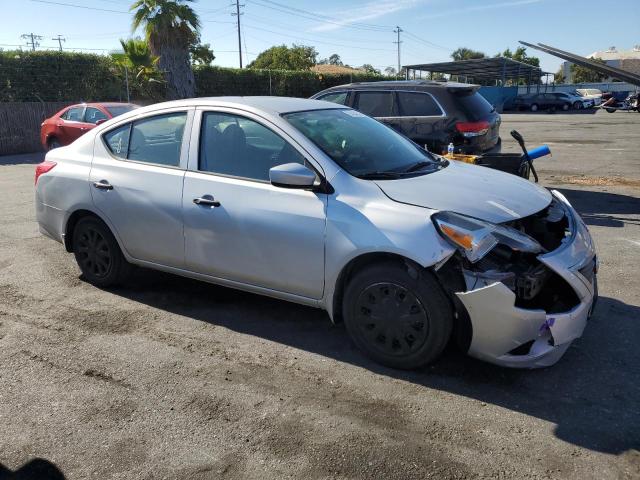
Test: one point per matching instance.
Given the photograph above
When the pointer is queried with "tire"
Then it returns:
(534, 107)
(565, 107)
(53, 143)
(610, 110)
(577, 105)
(375, 300)
(98, 253)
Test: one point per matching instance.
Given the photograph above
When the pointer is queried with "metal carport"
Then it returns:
(487, 71)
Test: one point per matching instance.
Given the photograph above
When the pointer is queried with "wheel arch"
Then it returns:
(73, 220)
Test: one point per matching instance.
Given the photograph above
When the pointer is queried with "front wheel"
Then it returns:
(98, 254)
(534, 107)
(577, 105)
(610, 110)
(397, 315)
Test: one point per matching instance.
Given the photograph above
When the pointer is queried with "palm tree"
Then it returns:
(171, 27)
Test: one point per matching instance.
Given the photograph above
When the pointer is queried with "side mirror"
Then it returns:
(101, 121)
(292, 175)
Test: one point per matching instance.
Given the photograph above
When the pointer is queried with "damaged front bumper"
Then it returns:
(510, 336)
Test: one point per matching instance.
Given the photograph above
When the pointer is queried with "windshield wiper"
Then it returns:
(417, 166)
(379, 175)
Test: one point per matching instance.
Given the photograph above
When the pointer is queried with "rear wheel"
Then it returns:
(610, 110)
(54, 143)
(566, 106)
(399, 316)
(534, 107)
(98, 254)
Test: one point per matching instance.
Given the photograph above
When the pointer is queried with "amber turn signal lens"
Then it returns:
(464, 240)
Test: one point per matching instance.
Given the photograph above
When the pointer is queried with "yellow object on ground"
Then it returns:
(462, 158)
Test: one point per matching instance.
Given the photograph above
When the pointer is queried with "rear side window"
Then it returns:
(93, 115)
(336, 97)
(415, 104)
(474, 105)
(118, 140)
(155, 140)
(375, 104)
(73, 114)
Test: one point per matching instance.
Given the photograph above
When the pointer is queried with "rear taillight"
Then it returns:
(44, 167)
(472, 129)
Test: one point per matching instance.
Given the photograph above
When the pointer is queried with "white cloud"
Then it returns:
(364, 13)
(512, 3)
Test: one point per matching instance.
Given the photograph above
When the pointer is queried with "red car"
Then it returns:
(71, 122)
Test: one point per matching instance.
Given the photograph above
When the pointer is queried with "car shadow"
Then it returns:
(36, 469)
(591, 394)
(604, 208)
(23, 158)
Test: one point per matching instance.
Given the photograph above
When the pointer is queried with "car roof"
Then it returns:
(101, 104)
(272, 105)
(405, 84)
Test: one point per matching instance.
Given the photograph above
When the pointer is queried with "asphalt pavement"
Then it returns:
(173, 378)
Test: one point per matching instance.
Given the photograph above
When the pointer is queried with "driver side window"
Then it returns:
(240, 147)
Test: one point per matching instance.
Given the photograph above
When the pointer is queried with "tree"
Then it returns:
(370, 69)
(520, 55)
(171, 28)
(390, 71)
(296, 57)
(558, 77)
(586, 75)
(201, 53)
(464, 53)
(335, 59)
(141, 64)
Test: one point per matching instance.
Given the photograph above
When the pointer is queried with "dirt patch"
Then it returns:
(590, 181)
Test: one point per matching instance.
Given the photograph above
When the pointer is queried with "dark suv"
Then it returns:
(429, 113)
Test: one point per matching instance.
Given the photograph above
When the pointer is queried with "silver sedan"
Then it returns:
(318, 204)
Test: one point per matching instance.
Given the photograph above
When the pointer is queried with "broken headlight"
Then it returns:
(475, 238)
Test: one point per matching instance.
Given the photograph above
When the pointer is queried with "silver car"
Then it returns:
(318, 204)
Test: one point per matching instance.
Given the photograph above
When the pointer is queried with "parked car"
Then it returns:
(434, 114)
(576, 101)
(541, 101)
(72, 122)
(591, 94)
(319, 204)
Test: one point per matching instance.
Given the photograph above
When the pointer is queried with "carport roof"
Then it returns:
(497, 68)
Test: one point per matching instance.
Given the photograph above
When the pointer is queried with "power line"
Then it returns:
(34, 40)
(316, 16)
(79, 6)
(427, 42)
(318, 41)
(59, 39)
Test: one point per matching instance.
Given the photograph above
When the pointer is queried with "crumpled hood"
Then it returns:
(479, 192)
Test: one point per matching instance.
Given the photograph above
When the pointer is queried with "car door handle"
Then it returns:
(103, 185)
(206, 201)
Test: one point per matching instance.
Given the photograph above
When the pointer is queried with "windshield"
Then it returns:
(361, 145)
(116, 110)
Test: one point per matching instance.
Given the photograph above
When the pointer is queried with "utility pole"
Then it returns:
(237, 14)
(32, 40)
(59, 39)
(398, 42)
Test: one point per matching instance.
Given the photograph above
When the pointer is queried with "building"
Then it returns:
(628, 60)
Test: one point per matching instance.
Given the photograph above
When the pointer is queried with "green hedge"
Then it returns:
(63, 76)
(214, 81)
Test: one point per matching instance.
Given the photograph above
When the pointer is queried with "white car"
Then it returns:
(577, 102)
(592, 94)
(319, 204)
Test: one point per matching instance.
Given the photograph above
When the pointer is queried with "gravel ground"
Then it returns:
(172, 378)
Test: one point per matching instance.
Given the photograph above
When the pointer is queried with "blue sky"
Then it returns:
(360, 31)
